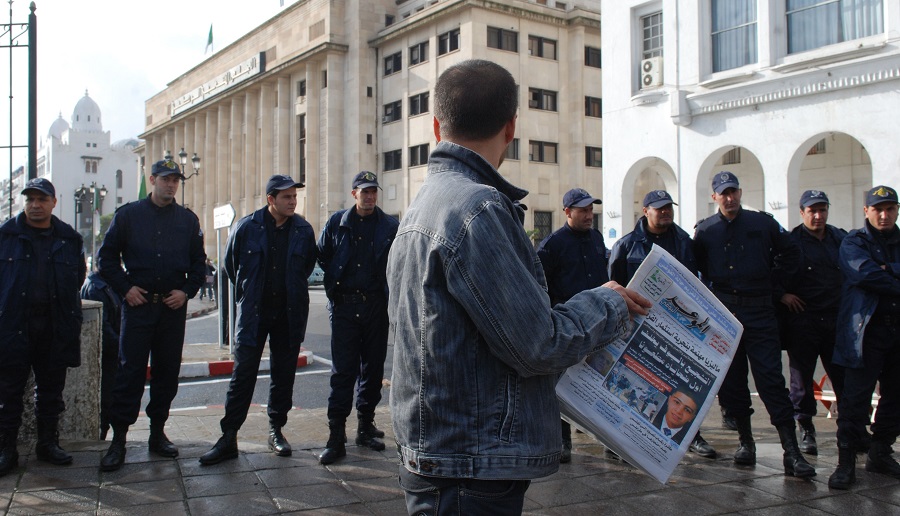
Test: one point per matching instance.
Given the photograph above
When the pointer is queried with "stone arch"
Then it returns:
(741, 162)
(646, 174)
(838, 164)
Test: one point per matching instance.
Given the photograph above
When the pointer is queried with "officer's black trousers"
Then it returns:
(810, 336)
(150, 331)
(282, 369)
(49, 379)
(881, 362)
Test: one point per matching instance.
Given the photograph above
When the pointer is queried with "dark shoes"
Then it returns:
(115, 455)
(845, 474)
(702, 448)
(278, 443)
(880, 460)
(225, 449)
(746, 452)
(795, 464)
(808, 437)
(728, 422)
(160, 444)
(336, 446)
(9, 454)
(565, 455)
(367, 435)
(47, 448)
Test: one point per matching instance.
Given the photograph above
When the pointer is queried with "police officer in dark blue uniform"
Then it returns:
(868, 339)
(574, 260)
(743, 256)
(812, 307)
(97, 289)
(161, 246)
(657, 226)
(353, 252)
(41, 269)
(269, 256)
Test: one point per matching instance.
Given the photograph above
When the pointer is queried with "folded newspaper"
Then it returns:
(645, 397)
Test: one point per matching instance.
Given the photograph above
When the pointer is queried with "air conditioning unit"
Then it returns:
(651, 72)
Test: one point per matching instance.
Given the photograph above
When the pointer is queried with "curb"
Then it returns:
(226, 367)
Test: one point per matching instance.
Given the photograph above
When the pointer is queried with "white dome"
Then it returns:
(86, 117)
(127, 143)
(58, 127)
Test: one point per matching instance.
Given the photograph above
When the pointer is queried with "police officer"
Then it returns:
(743, 257)
(574, 260)
(41, 266)
(868, 339)
(97, 289)
(161, 246)
(353, 251)
(657, 226)
(812, 307)
(268, 258)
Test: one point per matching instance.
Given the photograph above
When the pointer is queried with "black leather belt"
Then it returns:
(748, 301)
(155, 297)
(349, 299)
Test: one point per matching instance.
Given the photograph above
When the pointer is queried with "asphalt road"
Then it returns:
(311, 385)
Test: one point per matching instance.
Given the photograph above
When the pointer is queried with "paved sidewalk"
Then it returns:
(365, 482)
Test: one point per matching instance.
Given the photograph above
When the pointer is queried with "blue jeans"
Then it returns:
(433, 496)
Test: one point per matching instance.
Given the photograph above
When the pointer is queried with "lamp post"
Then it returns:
(195, 162)
(79, 197)
(97, 196)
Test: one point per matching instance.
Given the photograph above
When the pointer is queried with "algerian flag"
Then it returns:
(209, 43)
(142, 189)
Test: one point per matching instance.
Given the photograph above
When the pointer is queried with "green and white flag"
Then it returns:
(209, 41)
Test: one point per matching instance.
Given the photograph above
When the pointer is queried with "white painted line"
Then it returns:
(228, 379)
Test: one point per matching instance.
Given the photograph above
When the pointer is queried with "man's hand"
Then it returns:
(176, 299)
(637, 304)
(794, 303)
(135, 296)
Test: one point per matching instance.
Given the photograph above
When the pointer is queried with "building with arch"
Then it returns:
(787, 98)
(326, 89)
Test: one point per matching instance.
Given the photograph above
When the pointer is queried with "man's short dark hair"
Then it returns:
(475, 99)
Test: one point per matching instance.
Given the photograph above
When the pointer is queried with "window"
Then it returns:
(543, 225)
(543, 152)
(393, 63)
(301, 148)
(389, 20)
(818, 148)
(418, 155)
(392, 112)
(512, 150)
(592, 57)
(324, 79)
(733, 33)
(593, 107)
(816, 23)
(541, 99)
(448, 42)
(393, 160)
(418, 104)
(301, 88)
(732, 157)
(90, 166)
(418, 53)
(503, 39)
(541, 47)
(119, 177)
(652, 35)
(593, 157)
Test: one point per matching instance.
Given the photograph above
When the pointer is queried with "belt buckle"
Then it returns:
(155, 298)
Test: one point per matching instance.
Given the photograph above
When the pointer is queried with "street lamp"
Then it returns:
(79, 197)
(195, 162)
(97, 196)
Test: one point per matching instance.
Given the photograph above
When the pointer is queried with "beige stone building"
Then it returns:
(328, 88)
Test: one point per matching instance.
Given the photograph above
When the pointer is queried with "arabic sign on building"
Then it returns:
(219, 84)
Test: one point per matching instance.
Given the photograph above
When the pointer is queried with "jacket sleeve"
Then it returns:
(510, 308)
(231, 262)
(862, 270)
(197, 273)
(109, 257)
(547, 258)
(788, 258)
(618, 263)
(700, 257)
(326, 245)
(309, 237)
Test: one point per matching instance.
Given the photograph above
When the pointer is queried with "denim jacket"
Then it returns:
(245, 260)
(477, 348)
(861, 259)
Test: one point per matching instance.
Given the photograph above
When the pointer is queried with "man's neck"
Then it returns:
(279, 219)
(656, 230)
(159, 202)
(818, 232)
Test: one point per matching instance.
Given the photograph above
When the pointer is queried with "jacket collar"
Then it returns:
(477, 168)
(16, 226)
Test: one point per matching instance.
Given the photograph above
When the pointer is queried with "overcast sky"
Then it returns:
(122, 52)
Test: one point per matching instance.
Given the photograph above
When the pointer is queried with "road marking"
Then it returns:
(226, 379)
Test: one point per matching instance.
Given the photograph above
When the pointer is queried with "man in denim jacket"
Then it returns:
(477, 347)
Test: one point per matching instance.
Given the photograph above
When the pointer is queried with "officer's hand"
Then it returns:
(135, 296)
(176, 299)
(637, 304)
(794, 303)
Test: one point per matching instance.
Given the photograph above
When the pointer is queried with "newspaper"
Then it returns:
(646, 396)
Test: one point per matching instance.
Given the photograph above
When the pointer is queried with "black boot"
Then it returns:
(808, 437)
(47, 448)
(880, 460)
(159, 443)
(115, 455)
(702, 448)
(9, 454)
(225, 449)
(746, 452)
(794, 463)
(565, 455)
(845, 474)
(728, 422)
(336, 446)
(369, 421)
(367, 435)
(278, 443)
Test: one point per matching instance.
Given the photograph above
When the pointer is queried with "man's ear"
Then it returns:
(437, 128)
(510, 130)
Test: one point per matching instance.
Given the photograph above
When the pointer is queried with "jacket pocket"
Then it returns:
(510, 406)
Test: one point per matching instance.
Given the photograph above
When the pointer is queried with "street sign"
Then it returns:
(223, 216)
